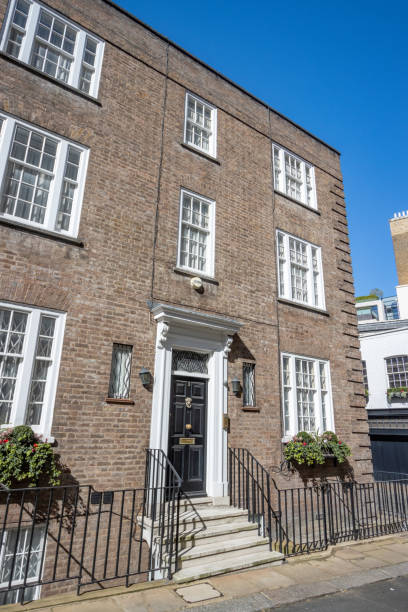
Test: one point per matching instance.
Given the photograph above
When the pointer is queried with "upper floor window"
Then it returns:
(196, 233)
(200, 125)
(42, 177)
(306, 395)
(397, 371)
(44, 39)
(300, 271)
(30, 349)
(294, 177)
(367, 313)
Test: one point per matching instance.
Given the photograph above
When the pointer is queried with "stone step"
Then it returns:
(217, 533)
(228, 562)
(196, 556)
(197, 502)
(209, 515)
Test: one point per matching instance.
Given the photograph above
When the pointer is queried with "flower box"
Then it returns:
(314, 449)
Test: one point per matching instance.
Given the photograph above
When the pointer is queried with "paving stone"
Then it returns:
(401, 569)
(198, 592)
(300, 592)
(251, 582)
(156, 600)
(252, 603)
(359, 578)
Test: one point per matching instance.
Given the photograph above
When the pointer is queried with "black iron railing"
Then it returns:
(80, 536)
(251, 488)
(307, 519)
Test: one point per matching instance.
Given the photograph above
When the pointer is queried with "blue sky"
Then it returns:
(339, 69)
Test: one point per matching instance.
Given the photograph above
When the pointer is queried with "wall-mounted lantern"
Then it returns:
(236, 385)
(145, 377)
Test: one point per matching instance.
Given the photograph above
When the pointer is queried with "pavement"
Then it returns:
(328, 580)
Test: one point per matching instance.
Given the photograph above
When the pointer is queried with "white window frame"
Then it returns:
(212, 148)
(280, 183)
(293, 409)
(29, 39)
(286, 268)
(387, 376)
(209, 271)
(23, 382)
(7, 130)
(27, 529)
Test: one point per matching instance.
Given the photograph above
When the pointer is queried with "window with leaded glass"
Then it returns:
(306, 395)
(196, 233)
(21, 558)
(294, 177)
(200, 125)
(248, 384)
(43, 177)
(300, 275)
(189, 361)
(30, 349)
(45, 39)
(397, 371)
(119, 384)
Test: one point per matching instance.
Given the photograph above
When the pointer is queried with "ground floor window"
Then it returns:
(306, 395)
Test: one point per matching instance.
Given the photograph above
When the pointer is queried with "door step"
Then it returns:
(224, 542)
(221, 565)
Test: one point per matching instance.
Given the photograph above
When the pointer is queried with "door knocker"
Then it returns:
(189, 401)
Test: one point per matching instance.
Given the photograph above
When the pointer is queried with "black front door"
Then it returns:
(187, 428)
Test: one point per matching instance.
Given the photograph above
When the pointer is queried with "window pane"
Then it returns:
(119, 385)
(248, 373)
(12, 334)
(42, 366)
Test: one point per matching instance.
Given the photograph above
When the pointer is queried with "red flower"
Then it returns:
(6, 440)
(304, 443)
(35, 445)
(340, 442)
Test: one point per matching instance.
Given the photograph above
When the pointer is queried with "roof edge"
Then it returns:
(218, 74)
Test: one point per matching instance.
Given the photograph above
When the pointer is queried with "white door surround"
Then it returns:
(181, 328)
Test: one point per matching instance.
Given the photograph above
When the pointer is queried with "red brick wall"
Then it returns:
(105, 285)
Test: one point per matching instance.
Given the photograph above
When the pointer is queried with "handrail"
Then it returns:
(250, 488)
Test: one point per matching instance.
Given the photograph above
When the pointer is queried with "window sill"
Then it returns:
(250, 409)
(51, 79)
(304, 307)
(202, 153)
(207, 279)
(117, 400)
(41, 232)
(313, 210)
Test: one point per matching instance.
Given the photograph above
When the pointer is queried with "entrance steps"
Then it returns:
(216, 539)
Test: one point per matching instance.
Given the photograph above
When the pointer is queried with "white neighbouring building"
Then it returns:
(383, 332)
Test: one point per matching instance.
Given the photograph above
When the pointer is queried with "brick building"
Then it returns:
(128, 169)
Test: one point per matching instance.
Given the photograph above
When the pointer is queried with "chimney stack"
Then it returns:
(399, 234)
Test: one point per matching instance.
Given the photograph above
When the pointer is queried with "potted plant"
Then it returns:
(26, 460)
(397, 393)
(315, 449)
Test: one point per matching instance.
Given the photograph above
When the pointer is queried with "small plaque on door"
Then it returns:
(186, 440)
